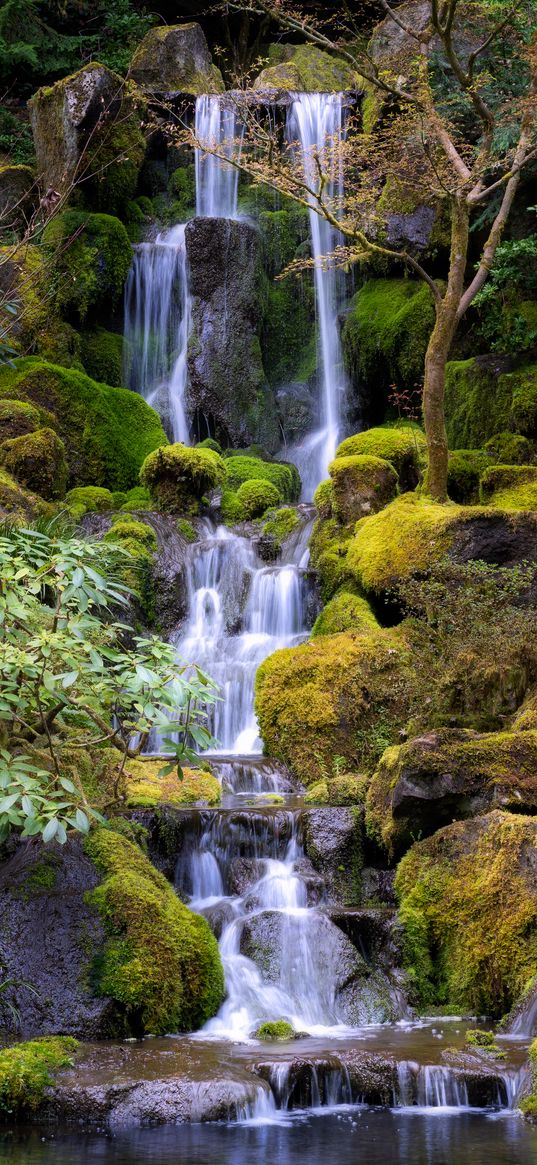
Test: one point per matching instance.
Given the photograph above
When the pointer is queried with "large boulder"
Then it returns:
(432, 780)
(488, 395)
(176, 58)
(305, 69)
(469, 908)
(361, 486)
(87, 132)
(16, 187)
(227, 381)
(333, 842)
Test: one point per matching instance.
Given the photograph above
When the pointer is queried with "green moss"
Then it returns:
(89, 499)
(182, 187)
(107, 432)
(528, 1105)
(230, 508)
(465, 467)
(386, 332)
(209, 443)
(138, 498)
(477, 1038)
(146, 789)
(188, 531)
(139, 542)
(403, 539)
(329, 697)
(329, 544)
(308, 69)
(481, 401)
(37, 461)
(403, 445)
(323, 499)
(102, 356)
(17, 418)
(361, 484)
(281, 525)
(343, 790)
(275, 1031)
(346, 611)
(178, 477)
(165, 61)
(59, 343)
(241, 468)
(469, 906)
(510, 449)
(160, 961)
(510, 487)
(256, 496)
(18, 504)
(91, 254)
(27, 1069)
(289, 335)
(24, 282)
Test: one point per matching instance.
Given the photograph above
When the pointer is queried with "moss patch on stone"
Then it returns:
(27, 1069)
(256, 496)
(146, 789)
(361, 485)
(329, 544)
(17, 418)
(37, 461)
(403, 539)
(386, 332)
(281, 525)
(102, 356)
(178, 476)
(483, 399)
(89, 499)
(465, 467)
(275, 1031)
(306, 69)
(91, 254)
(160, 961)
(403, 445)
(240, 468)
(18, 504)
(346, 611)
(510, 487)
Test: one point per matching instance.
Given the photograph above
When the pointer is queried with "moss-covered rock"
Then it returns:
(346, 611)
(17, 418)
(107, 432)
(484, 397)
(139, 542)
(306, 69)
(340, 695)
(102, 356)
(256, 496)
(27, 1069)
(428, 782)
(37, 461)
(511, 449)
(403, 445)
(281, 525)
(91, 255)
(137, 498)
(160, 962)
(275, 1031)
(176, 58)
(178, 477)
(361, 485)
(146, 789)
(19, 504)
(469, 911)
(89, 499)
(346, 789)
(385, 334)
(510, 487)
(24, 283)
(329, 544)
(465, 467)
(17, 184)
(241, 468)
(323, 499)
(59, 343)
(88, 127)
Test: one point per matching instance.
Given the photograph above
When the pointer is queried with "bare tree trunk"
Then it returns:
(438, 350)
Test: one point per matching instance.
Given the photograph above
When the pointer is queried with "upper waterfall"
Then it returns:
(216, 183)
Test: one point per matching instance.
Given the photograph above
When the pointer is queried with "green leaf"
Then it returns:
(51, 829)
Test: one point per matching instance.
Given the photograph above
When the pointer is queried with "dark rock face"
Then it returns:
(333, 841)
(354, 1077)
(48, 938)
(415, 227)
(502, 539)
(176, 58)
(227, 381)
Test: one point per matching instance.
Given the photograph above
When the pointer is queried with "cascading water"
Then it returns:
(216, 183)
(316, 121)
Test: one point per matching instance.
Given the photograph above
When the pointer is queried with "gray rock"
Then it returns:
(333, 841)
(176, 59)
(227, 380)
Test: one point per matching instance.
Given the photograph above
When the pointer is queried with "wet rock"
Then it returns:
(243, 873)
(176, 59)
(218, 917)
(376, 933)
(453, 773)
(309, 1081)
(227, 380)
(48, 936)
(333, 841)
(377, 886)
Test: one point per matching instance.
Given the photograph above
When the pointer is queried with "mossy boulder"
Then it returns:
(17, 418)
(175, 58)
(107, 432)
(329, 544)
(428, 782)
(486, 396)
(89, 499)
(385, 336)
(24, 282)
(16, 188)
(306, 69)
(18, 504)
(465, 467)
(28, 1069)
(402, 445)
(146, 789)
(345, 789)
(91, 255)
(338, 695)
(281, 525)
(323, 499)
(178, 476)
(37, 461)
(275, 1031)
(346, 611)
(87, 127)
(243, 467)
(138, 541)
(256, 496)
(511, 449)
(510, 487)
(468, 899)
(160, 962)
(59, 343)
(361, 485)
(101, 353)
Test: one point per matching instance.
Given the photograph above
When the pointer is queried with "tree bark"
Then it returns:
(438, 350)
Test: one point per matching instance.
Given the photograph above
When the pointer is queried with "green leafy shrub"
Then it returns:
(160, 961)
(37, 460)
(178, 477)
(27, 1069)
(257, 496)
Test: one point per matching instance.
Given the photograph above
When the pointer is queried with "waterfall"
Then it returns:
(316, 122)
(216, 182)
(157, 325)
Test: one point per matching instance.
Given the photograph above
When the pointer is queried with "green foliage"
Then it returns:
(160, 961)
(507, 321)
(275, 1031)
(27, 1069)
(16, 138)
(138, 498)
(91, 255)
(29, 45)
(107, 432)
(240, 468)
(256, 496)
(178, 476)
(37, 460)
(139, 541)
(123, 27)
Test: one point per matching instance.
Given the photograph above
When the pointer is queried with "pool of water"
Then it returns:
(356, 1135)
